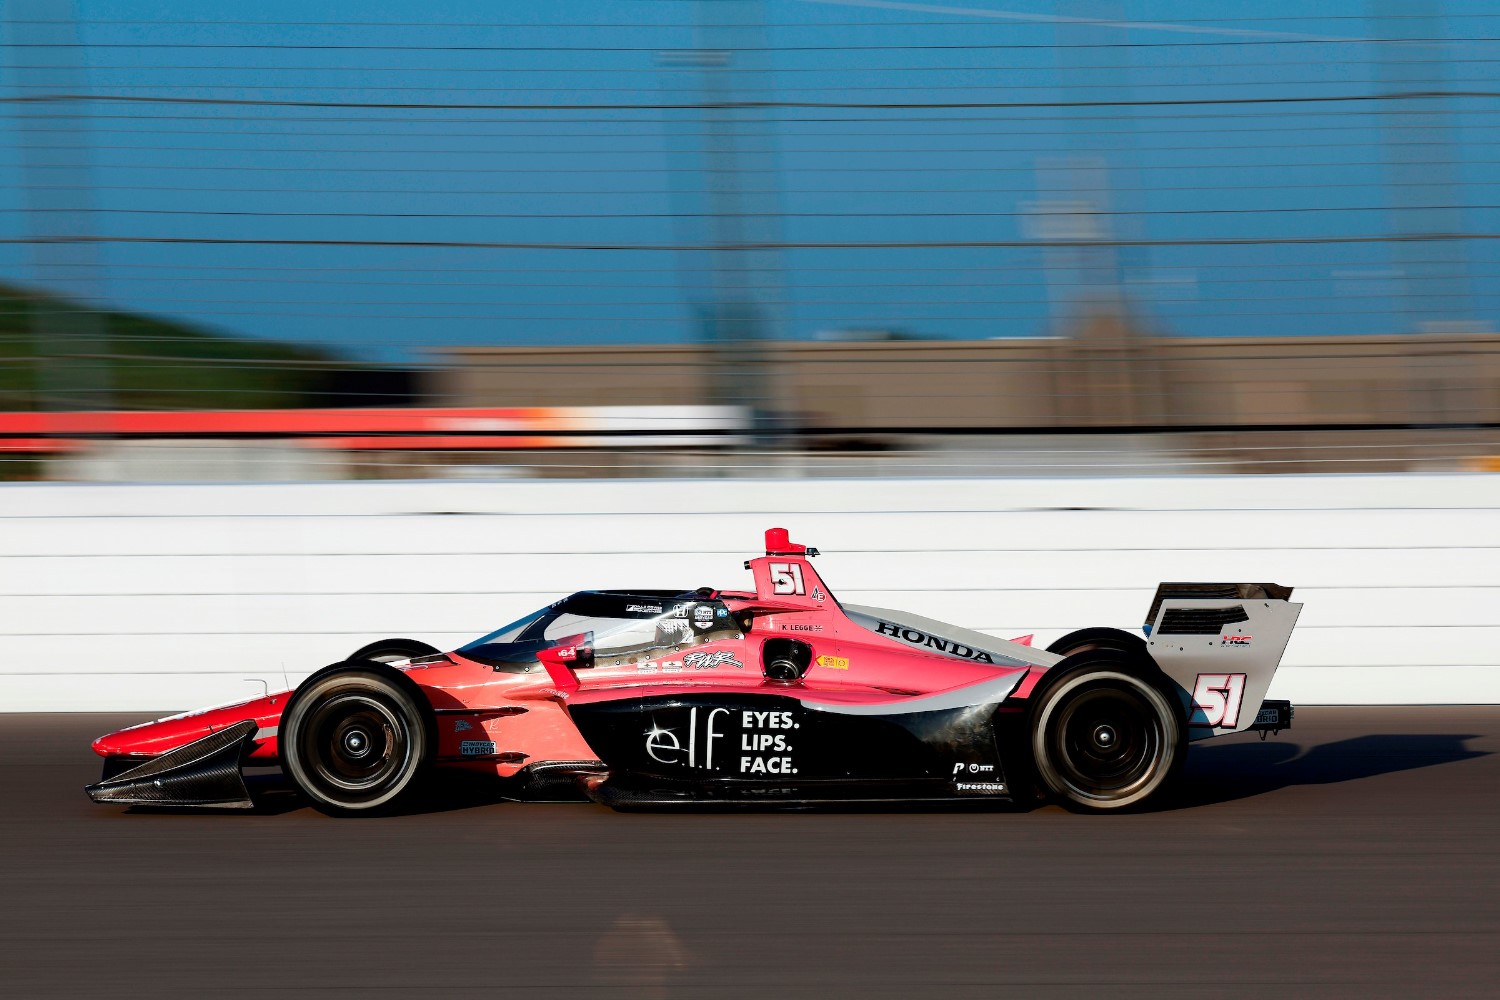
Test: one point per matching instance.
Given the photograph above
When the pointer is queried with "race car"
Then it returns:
(776, 696)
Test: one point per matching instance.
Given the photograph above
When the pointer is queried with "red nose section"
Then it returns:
(154, 738)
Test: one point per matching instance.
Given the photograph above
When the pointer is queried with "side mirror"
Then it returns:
(576, 652)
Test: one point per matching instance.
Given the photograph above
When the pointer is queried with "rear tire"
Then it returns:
(1105, 737)
(354, 741)
(391, 650)
(1087, 640)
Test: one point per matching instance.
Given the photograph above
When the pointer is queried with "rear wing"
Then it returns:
(1219, 592)
(1221, 643)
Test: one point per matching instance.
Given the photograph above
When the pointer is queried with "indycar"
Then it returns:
(780, 695)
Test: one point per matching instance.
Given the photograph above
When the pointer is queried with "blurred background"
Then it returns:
(747, 237)
(656, 275)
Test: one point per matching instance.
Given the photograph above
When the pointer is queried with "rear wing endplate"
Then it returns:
(1221, 643)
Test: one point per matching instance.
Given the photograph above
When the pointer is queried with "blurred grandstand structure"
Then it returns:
(1108, 377)
(1107, 399)
(786, 237)
(1263, 404)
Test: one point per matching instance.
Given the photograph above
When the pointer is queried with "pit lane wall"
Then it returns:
(158, 598)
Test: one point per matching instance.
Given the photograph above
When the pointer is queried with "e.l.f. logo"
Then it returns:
(664, 746)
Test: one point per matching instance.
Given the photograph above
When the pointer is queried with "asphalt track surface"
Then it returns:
(1357, 856)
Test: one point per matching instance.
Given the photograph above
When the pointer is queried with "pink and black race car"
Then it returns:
(779, 695)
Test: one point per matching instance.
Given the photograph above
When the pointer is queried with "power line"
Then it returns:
(607, 216)
(779, 245)
(408, 47)
(978, 86)
(1037, 190)
(986, 169)
(947, 67)
(1218, 118)
(508, 134)
(754, 105)
(652, 25)
(656, 151)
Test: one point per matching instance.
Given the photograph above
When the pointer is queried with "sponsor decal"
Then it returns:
(801, 628)
(1216, 700)
(767, 765)
(665, 746)
(961, 767)
(817, 594)
(566, 653)
(833, 662)
(699, 660)
(646, 667)
(756, 743)
(761, 742)
(1267, 717)
(988, 787)
(721, 612)
(461, 726)
(768, 720)
(477, 748)
(703, 616)
(950, 646)
(645, 609)
(764, 742)
(1234, 640)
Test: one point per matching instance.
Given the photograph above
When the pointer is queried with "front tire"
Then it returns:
(354, 742)
(1105, 738)
(392, 650)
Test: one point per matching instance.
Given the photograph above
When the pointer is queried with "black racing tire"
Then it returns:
(1086, 640)
(355, 741)
(391, 650)
(1105, 735)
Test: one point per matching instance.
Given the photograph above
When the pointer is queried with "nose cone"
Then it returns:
(152, 738)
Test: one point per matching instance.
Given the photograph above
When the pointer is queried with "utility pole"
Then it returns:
(738, 303)
(1107, 377)
(1425, 193)
(1426, 208)
(70, 344)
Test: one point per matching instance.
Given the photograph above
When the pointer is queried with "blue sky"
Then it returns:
(1087, 131)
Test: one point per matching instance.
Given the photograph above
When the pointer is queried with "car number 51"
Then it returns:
(1218, 697)
(786, 578)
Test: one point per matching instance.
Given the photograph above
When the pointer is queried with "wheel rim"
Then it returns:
(1106, 740)
(356, 744)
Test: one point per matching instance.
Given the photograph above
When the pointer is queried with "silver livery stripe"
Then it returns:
(990, 692)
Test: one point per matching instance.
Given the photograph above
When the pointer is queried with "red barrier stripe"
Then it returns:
(124, 423)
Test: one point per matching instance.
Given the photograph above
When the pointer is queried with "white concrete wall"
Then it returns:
(158, 598)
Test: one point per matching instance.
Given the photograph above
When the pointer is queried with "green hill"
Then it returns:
(55, 356)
